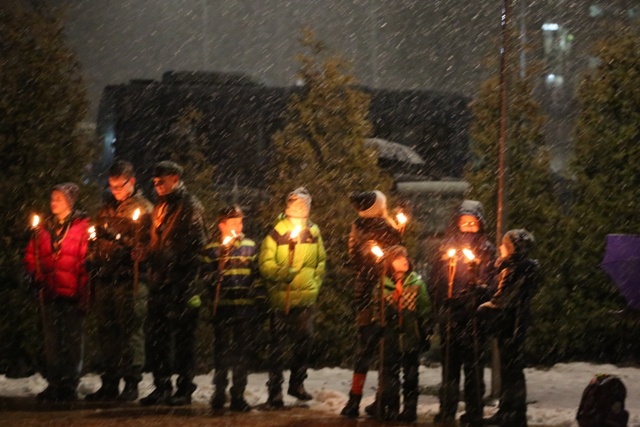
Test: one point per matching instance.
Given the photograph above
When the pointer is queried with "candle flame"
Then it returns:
(233, 233)
(136, 214)
(35, 221)
(402, 218)
(295, 232)
(226, 240)
(451, 252)
(377, 251)
(92, 233)
(469, 254)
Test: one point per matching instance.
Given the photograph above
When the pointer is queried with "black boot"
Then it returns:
(298, 391)
(49, 394)
(130, 392)
(108, 391)
(159, 396)
(182, 395)
(352, 408)
(409, 412)
(371, 409)
(471, 419)
(238, 404)
(274, 385)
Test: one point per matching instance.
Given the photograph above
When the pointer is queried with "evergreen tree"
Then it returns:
(42, 101)
(607, 186)
(322, 148)
(529, 196)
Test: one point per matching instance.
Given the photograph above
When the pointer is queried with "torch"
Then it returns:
(379, 253)
(451, 274)
(35, 226)
(402, 221)
(473, 264)
(222, 264)
(293, 241)
(136, 262)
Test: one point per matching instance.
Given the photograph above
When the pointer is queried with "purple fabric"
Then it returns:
(622, 262)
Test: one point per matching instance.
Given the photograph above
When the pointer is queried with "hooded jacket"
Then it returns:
(57, 264)
(466, 274)
(309, 253)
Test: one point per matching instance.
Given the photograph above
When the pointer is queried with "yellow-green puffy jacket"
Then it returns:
(309, 256)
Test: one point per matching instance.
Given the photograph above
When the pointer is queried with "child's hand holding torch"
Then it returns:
(293, 241)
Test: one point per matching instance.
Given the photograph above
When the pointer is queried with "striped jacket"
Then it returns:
(239, 286)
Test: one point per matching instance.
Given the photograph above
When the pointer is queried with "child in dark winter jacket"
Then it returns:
(406, 331)
(507, 316)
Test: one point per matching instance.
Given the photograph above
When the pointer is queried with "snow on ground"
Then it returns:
(554, 394)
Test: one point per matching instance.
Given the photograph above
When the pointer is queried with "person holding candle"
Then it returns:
(230, 266)
(292, 262)
(178, 234)
(55, 259)
(458, 285)
(119, 302)
(373, 226)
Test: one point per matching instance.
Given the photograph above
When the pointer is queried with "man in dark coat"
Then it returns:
(508, 314)
(120, 301)
(373, 227)
(178, 234)
(458, 286)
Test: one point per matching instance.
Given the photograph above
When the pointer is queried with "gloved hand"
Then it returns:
(194, 302)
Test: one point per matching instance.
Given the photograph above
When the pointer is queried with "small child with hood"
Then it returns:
(406, 333)
(508, 317)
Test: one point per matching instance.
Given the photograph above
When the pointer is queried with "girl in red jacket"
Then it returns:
(55, 258)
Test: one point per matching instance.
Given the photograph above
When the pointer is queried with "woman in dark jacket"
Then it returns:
(55, 259)
(373, 227)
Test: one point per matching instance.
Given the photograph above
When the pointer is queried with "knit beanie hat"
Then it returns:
(369, 204)
(167, 167)
(298, 203)
(518, 242)
(69, 190)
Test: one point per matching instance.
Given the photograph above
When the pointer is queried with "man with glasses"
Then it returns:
(177, 236)
(120, 301)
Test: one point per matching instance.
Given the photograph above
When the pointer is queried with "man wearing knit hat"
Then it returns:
(292, 262)
(373, 227)
(177, 236)
(55, 258)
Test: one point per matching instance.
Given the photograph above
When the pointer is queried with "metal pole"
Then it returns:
(496, 383)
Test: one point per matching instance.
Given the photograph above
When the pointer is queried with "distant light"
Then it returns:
(550, 27)
(551, 78)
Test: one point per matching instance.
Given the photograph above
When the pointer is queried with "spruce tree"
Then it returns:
(607, 187)
(42, 102)
(321, 147)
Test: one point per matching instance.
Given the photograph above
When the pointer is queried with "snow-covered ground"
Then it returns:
(554, 394)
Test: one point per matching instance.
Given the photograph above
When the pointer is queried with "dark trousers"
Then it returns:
(171, 330)
(120, 328)
(63, 327)
(458, 353)
(395, 361)
(233, 350)
(513, 396)
(296, 330)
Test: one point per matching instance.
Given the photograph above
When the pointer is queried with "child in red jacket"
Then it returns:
(55, 258)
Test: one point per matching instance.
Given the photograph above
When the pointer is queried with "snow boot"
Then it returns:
(182, 396)
(129, 393)
(352, 408)
(298, 391)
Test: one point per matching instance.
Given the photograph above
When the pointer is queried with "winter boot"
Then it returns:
(409, 412)
(274, 385)
(371, 409)
(108, 391)
(470, 419)
(352, 408)
(130, 392)
(238, 404)
(298, 391)
(160, 395)
(182, 396)
(442, 419)
(49, 394)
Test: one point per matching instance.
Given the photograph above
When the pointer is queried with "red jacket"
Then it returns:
(60, 273)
